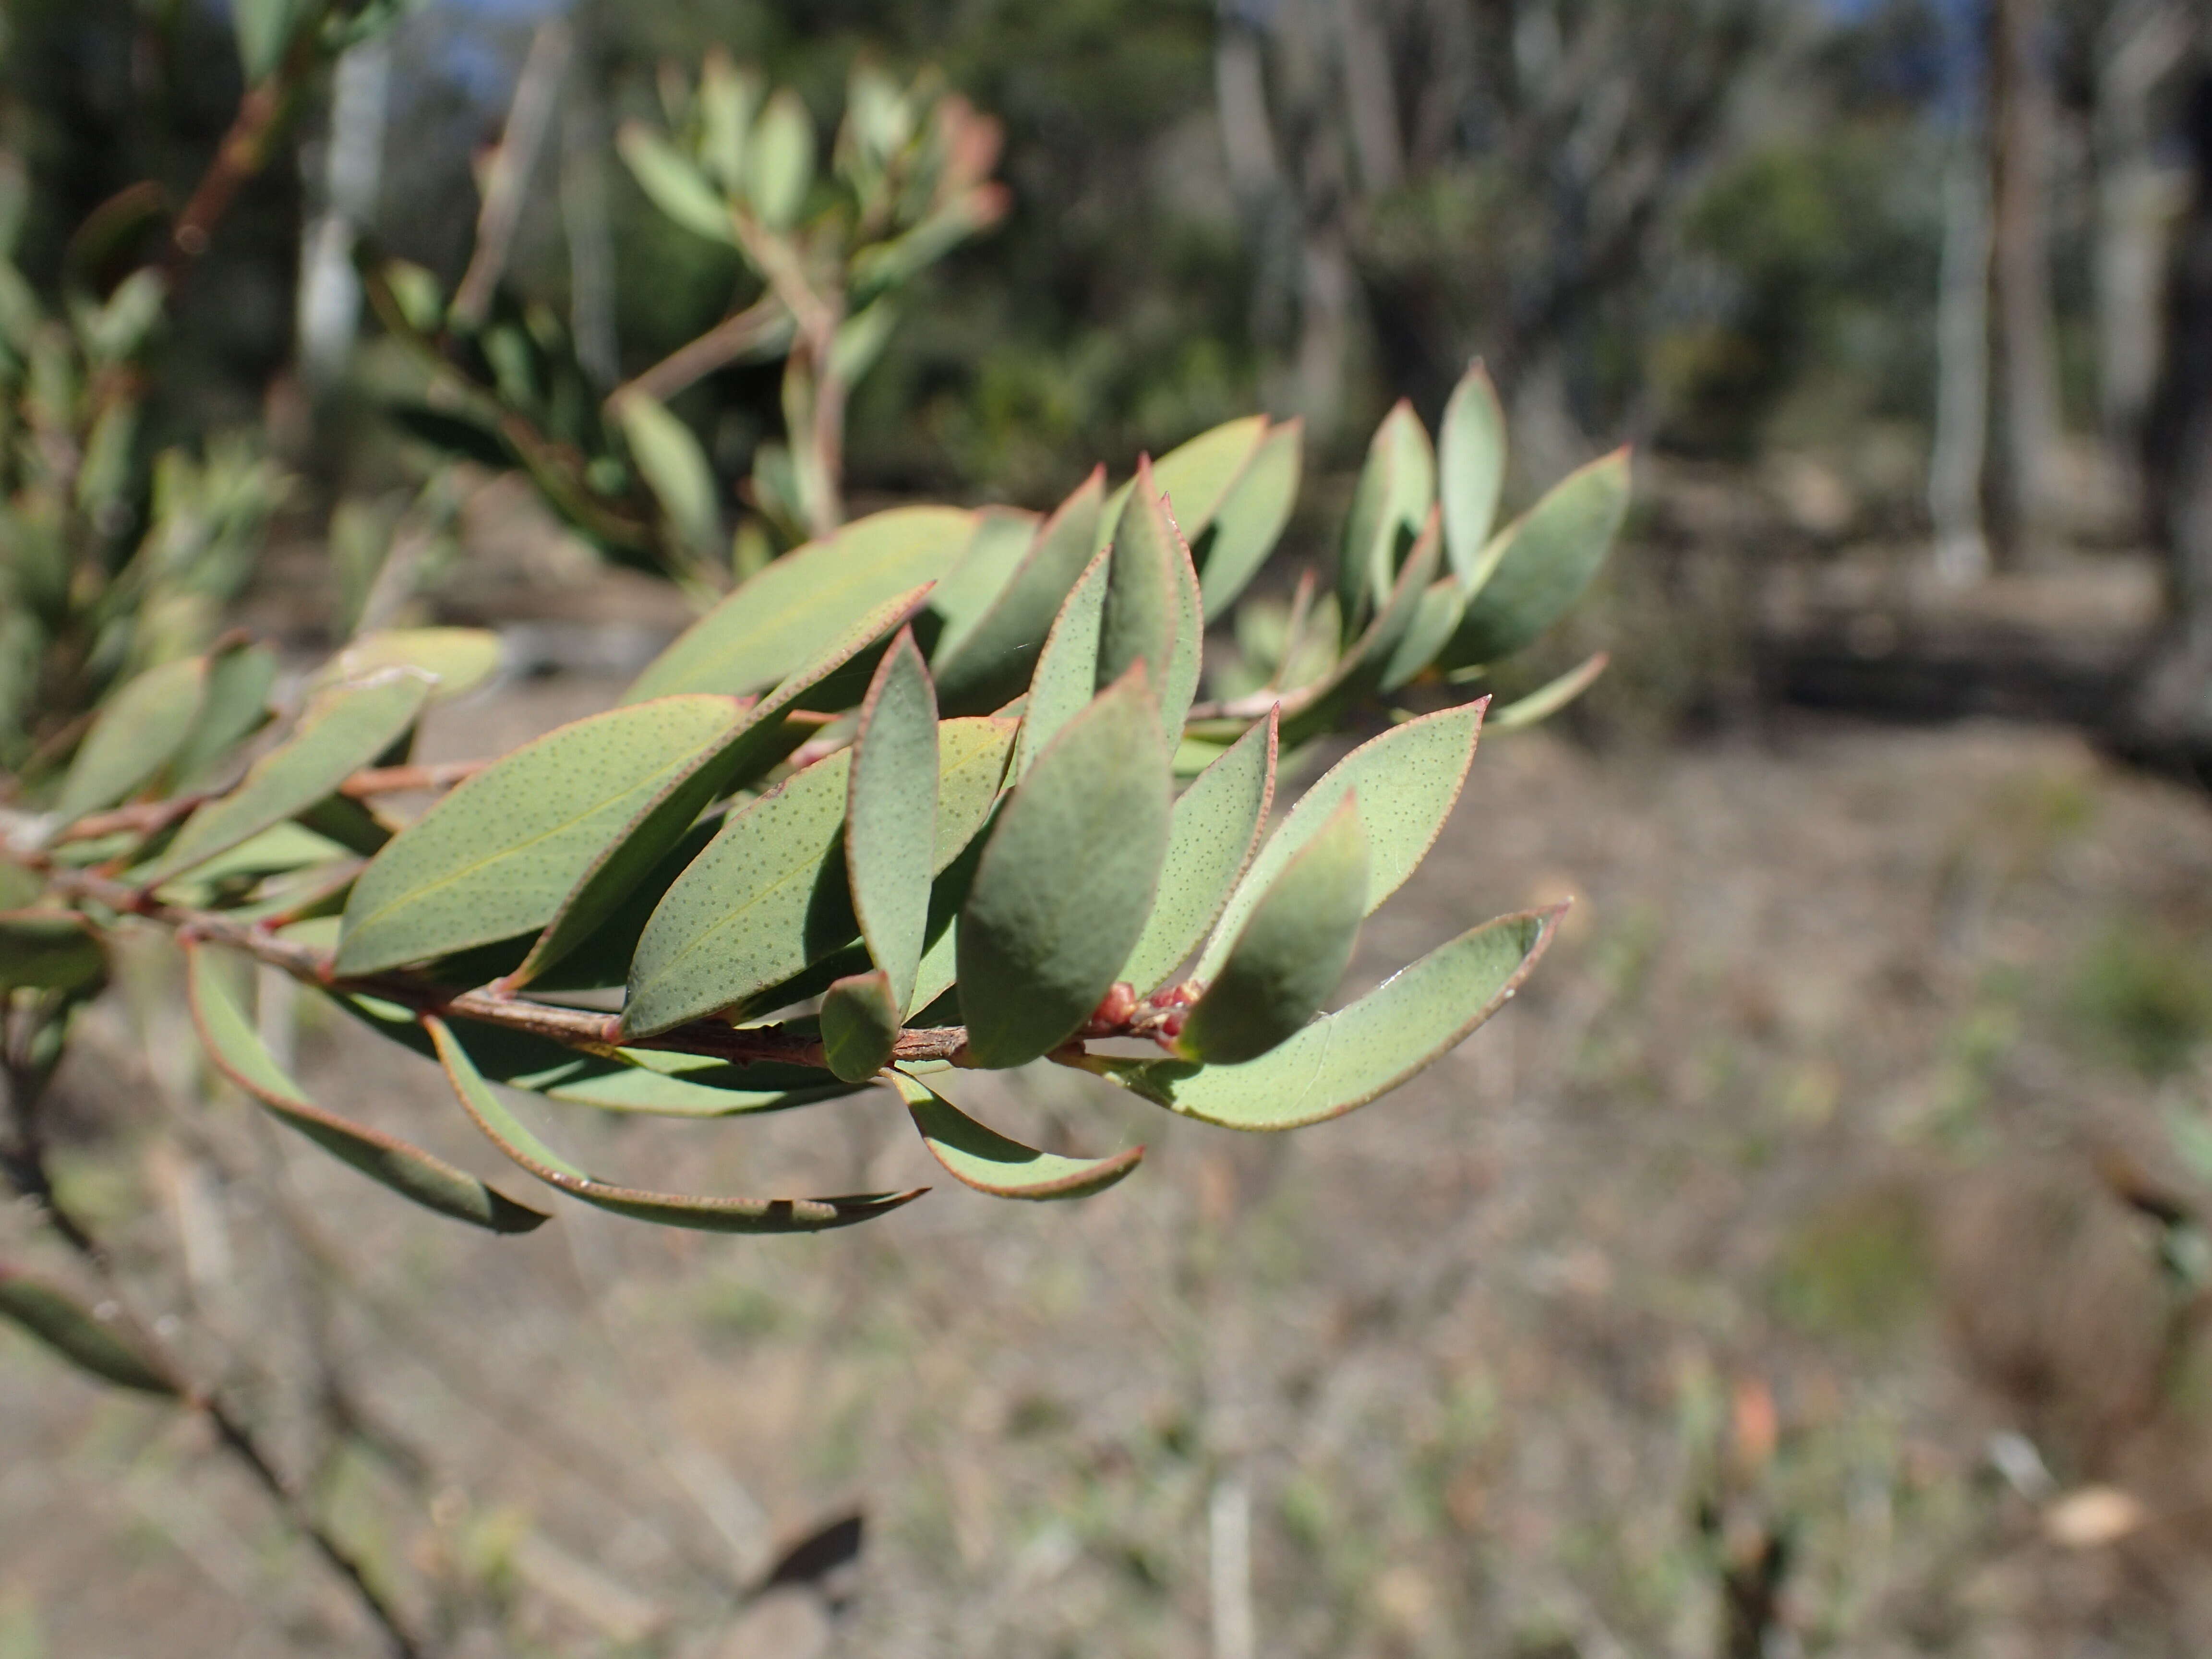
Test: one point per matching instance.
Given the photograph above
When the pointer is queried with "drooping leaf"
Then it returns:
(239, 682)
(1250, 519)
(342, 730)
(1067, 677)
(496, 856)
(239, 1053)
(458, 659)
(761, 738)
(799, 604)
(1066, 879)
(138, 731)
(1539, 565)
(644, 1081)
(1144, 601)
(987, 667)
(988, 1161)
(1470, 469)
(673, 185)
(78, 1335)
(750, 910)
(891, 818)
(1346, 1058)
(1397, 486)
(860, 1018)
(1003, 536)
(1548, 699)
(718, 1215)
(46, 950)
(1197, 477)
(278, 850)
(1407, 781)
(461, 436)
(1292, 951)
(674, 468)
(1216, 827)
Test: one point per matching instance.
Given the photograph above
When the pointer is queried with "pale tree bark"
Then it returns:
(2139, 46)
(2170, 714)
(329, 300)
(1962, 365)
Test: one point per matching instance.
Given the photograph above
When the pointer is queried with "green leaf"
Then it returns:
(780, 160)
(718, 1215)
(1251, 518)
(1375, 656)
(1066, 879)
(1067, 677)
(860, 1017)
(497, 856)
(645, 1081)
(971, 764)
(1549, 699)
(240, 1054)
(986, 666)
(1197, 477)
(78, 1335)
(238, 685)
(985, 1160)
(1216, 827)
(766, 898)
(1344, 1059)
(1003, 536)
(1442, 604)
(673, 185)
(343, 730)
(1470, 469)
(458, 659)
(49, 951)
(461, 436)
(278, 850)
(265, 28)
(760, 738)
(138, 731)
(802, 602)
(1538, 566)
(1407, 781)
(1292, 951)
(728, 96)
(1397, 486)
(891, 817)
(675, 469)
(1143, 613)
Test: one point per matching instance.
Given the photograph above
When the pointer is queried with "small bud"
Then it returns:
(1115, 1011)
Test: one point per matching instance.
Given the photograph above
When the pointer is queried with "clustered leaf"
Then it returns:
(904, 803)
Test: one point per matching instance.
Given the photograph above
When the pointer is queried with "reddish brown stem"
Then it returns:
(245, 150)
(393, 780)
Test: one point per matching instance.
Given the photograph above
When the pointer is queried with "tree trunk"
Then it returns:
(329, 299)
(2024, 381)
(2171, 712)
(1962, 368)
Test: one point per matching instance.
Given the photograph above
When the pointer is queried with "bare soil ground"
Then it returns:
(1792, 1180)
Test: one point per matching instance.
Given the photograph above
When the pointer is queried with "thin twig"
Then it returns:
(393, 780)
(27, 1168)
(243, 152)
(719, 346)
(528, 120)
